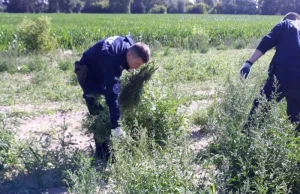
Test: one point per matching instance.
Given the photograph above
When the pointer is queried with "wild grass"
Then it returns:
(34, 79)
(155, 157)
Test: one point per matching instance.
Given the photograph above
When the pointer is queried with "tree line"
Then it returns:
(265, 7)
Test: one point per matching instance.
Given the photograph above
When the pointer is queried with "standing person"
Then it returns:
(98, 73)
(284, 67)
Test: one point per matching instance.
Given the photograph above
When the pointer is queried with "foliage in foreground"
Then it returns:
(264, 159)
(167, 169)
(8, 148)
(132, 88)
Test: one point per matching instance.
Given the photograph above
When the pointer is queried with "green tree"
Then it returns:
(66, 5)
(41, 6)
(237, 7)
(53, 6)
(78, 6)
(286, 6)
(246, 6)
(119, 6)
(96, 6)
(172, 6)
(199, 8)
(269, 7)
(181, 6)
(138, 7)
(210, 3)
(19, 6)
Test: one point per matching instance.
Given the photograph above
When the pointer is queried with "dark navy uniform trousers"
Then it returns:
(292, 99)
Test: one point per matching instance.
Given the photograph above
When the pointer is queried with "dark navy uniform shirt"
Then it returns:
(285, 36)
(105, 61)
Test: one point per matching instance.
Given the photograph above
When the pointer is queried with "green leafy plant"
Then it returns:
(132, 86)
(165, 169)
(85, 178)
(198, 41)
(36, 36)
(256, 159)
(99, 124)
(8, 148)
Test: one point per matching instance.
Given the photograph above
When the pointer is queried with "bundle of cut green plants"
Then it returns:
(133, 84)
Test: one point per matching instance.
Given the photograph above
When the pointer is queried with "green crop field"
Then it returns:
(73, 31)
(186, 134)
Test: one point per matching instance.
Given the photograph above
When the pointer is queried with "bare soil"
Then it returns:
(47, 128)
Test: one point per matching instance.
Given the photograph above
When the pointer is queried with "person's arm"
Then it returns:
(245, 70)
(112, 89)
(255, 56)
(269, 41)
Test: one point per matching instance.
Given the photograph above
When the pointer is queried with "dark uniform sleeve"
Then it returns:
(271, 39)
(111, 92)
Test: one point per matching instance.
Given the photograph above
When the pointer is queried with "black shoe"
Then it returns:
(102, 151)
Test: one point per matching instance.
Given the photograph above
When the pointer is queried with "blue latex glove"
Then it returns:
(245, 70)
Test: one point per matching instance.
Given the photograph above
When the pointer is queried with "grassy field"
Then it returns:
(73, 31)
(184, 137)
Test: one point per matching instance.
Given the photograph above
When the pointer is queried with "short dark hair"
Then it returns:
(141, 50)
(292, 16)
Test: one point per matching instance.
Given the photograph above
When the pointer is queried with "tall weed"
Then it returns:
(260, 159)
(36, 36)
(167, 169)
(157, 113)
(84, 179)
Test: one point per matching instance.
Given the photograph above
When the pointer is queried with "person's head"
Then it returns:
(137, 55)
(291, 16)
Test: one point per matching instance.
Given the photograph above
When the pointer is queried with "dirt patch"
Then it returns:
(46, 107)
(205, 92)
(198, 105)
(199, 139)
(47, 129)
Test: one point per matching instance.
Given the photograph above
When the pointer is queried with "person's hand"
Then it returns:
(80, 71)
(118, 133)
(245, 70)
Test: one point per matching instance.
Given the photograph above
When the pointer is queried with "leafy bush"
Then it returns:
(202, 117)
(240, 44)
(35, 63)
(4, 66)
(22, 64)
(132, 86)
(65, 65)
(157, 170)
(157, 113)
(84, 179)
(198, 41)
(8, 149)
(158, 9)
(99, 124)
(261, 159)
(36, 36)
